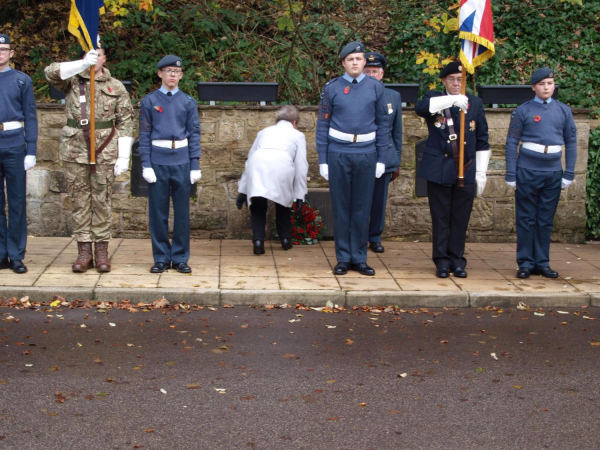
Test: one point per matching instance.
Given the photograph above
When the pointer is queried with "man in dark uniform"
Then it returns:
(393, 103)
(170, 153)
(18, 147)
(542, 126)
(352, 139)
(450, 205)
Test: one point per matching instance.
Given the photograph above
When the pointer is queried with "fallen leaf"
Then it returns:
(55, 303)
(330, 326)
(402, 375)
(163, 391)
(149, 430)
(517, 386)
(112, 324)
(290, 356)
(522, 306)
(493, 355)
(362, 404)
(539, 314)
(349, 341)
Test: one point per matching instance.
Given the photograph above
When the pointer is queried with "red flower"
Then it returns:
(537, 118)
(158, 108)
(109, 89)
(346, 89)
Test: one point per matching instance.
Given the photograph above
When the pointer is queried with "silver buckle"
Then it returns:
(84, 122)
(453, 137)
(355, 136)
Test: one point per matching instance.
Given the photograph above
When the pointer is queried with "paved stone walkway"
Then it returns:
(226, 272)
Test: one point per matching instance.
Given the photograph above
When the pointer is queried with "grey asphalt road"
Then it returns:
(251, 378)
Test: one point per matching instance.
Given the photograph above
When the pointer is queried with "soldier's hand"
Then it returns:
(324, 171)
(29, 162)
(195, 176)
(512, 184)
(565, 183)
(91, 58)
(240, 200)
(461, 101)
(481, 179)
(122, 165)
(379, 170)
(149, 175)
(395, 174)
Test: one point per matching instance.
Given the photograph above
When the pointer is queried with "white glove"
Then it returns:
(482, 159)
(436, 104)
(324, 171)
(149, 175)
(124, 144)
(563, 185)
(379, 170)
(29, 162)
(195, 176)
(69, 69)
(512, 184)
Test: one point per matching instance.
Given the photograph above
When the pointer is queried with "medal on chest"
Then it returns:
(440, 122)
(390, 109)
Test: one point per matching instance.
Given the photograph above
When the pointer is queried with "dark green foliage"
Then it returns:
(592, 195)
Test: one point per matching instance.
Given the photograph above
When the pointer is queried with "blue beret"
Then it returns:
(452, 68)
(376, 60)
(540, 74)
(352, 47)
(4, 39)
(170, 60)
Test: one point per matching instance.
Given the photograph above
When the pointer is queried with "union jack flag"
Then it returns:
(476, 30)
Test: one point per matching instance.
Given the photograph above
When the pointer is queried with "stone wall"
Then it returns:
(227, 135)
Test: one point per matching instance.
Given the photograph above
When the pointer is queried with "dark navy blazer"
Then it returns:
(393, 153)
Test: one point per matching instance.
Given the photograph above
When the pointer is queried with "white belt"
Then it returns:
(7, 126)
(351, 137)
(542, 148)
(169, 144)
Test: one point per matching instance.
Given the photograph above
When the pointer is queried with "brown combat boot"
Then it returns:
(85, 259)
(101, 254)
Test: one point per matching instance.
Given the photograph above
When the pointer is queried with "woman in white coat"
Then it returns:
(276, 170)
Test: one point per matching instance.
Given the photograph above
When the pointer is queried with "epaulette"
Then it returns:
(191, 98)
(331, 81)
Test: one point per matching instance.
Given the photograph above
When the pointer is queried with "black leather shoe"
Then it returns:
(523, 272)
(259, 247)
(377, 247)
(341, 268)
(17, 266)
(546, 272)
(182, 268)
(363, 269)
(286, 244)
(442, 272)
(159, 267)
(4, 263)
(460, 272)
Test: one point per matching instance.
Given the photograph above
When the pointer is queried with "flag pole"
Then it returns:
(461, 136)
(92, 120)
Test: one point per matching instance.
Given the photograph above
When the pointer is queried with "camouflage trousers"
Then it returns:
(92, 200)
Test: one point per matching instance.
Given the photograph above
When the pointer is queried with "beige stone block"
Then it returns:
(570, 216)
(189, 281)
(135, 222)
(130, 204)
(206, 138)
(309, 284)
(147, 280)
(482, 215)
(47, 150)
(248, 271)
(212, 198)
(53, 120)
(231, 130)
(483, 285)
(216, 155)
(71, 280)
(9, 278)
(427, 284)
(250, 283)
(367, 284)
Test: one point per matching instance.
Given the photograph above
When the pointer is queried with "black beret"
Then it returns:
(352, 47)
(170, 60)
(452, 68)
(540, 74)
(4, 39)
(376, 60)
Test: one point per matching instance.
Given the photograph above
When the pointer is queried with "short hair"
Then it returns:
(289, 113)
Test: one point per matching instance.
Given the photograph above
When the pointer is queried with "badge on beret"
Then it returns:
(158, 108)
(346, 89)
(178, 63)
(358, 48)
(2, 40)
(371, 57)
(472, 125)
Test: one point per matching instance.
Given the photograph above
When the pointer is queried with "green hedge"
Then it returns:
(592, 195)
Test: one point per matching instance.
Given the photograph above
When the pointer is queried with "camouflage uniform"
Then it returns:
(92, 193)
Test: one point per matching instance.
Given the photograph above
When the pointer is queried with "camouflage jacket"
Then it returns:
(112, 104)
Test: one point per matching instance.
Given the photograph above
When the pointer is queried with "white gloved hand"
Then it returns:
(324, 171)
(72, 68)
(437, 104)
(149, 175)
(124, 144)
(512, 184)
(462, 102)
(482, 159)
(195, 176)
(29, 162)
(565, 183)
(379, 170)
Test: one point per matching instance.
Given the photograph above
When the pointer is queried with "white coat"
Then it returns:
(276, 168)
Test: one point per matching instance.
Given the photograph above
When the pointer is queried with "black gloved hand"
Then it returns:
(299, 204)
(240, 200)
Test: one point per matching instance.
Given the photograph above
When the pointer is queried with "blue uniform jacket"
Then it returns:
(393, 155)
(437, 164)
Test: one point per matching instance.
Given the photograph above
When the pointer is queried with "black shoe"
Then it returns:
(159, 267)
(182, 268)
(442, 272)
(259, 247)
(4, 263)
(460, 272)
(523, 272)
(341, 268)
(17, 266)
(377, 247)
(546, 272)
(363, 269)
(286, 244)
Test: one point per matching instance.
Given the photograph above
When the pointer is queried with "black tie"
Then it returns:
(169, 94)
(354, 81)
(545, 102)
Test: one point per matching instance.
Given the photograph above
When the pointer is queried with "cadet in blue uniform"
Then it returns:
(18, 147)
(542, 126)
(393, 103)
(451, 206)
(170, 153)
(352, 139)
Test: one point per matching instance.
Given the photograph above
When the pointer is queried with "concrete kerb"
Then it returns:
(532, 299)
(45, 294)
(595, 299)
(291, 297)
(411, 299)
(148, 295)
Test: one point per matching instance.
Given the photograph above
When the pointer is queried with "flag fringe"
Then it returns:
(479, 59)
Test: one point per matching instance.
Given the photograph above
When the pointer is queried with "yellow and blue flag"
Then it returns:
(84, 21)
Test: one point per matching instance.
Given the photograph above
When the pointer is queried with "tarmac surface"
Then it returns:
(242, 377)
(225, 272)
